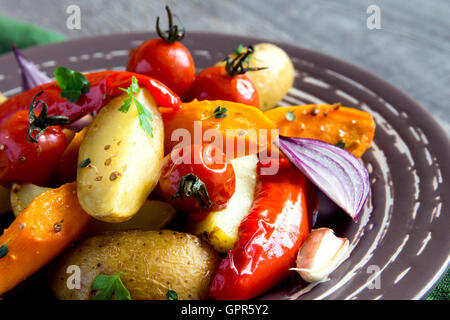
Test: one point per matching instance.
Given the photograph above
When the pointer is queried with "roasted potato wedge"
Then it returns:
(220, 228)
(22, 195)
(153, 215)
(274, 82)
(124, 160)
(151, 262)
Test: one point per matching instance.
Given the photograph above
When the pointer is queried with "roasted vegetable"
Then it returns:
(66, 170)
(153, 215)
(119, 162)
(269, 237)
(347, 127)
(52, 221)
(277, 77)
(22, 195)
(150, 263)
(220, 228)
(236, 124)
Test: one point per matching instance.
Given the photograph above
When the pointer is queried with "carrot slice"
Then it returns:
(329, 123)
(242, 125)
(42, 231)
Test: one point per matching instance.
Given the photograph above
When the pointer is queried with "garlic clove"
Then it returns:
(321, 253)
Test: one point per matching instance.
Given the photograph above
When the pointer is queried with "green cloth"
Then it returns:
(26, 35)
(442, 289)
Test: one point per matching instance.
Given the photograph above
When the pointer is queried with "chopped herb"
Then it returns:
(41, 122)
(341, 144)
(191, 186)
(72, 83)
(145, 116)
(218, 113)
(171, 295)
(239, 49)
(109, 286)
(84, 163)
(290, 116)
(4, 250)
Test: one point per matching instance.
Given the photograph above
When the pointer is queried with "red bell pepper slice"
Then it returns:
(103, 87)
(269, 237)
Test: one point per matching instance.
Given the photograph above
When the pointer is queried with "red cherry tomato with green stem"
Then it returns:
(197, 178)
(227, 82)
(23, 161)
(165, 59)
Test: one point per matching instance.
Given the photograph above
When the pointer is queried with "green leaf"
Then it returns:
(218, 113)
(341, 144)
(84, 163)
(109, 286)
(4, 250)
(125, 105)
(145, 116)
(72, 83)
(171, 295)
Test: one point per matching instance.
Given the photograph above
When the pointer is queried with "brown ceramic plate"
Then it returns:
(400, 245)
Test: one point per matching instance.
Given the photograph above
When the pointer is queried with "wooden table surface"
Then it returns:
(411, 50)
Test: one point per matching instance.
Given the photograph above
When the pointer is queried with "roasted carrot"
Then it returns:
(237, 124)
(348, 127)
(43, 230)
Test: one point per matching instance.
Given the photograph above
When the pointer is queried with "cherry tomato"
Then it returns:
(190, 171)
(22, 161)
(165, 59)
(215, 83)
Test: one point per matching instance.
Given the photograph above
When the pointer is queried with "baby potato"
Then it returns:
(22, 195)
(151, 263)
(274, 82)
(121, 161)
(153, 215)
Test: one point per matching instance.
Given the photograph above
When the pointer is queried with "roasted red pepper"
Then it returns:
(26, 162)
(103, 87)
(269, 237)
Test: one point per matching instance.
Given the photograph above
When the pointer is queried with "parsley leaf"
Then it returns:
(84, 163)
(341, 144)
(72, 83)
(145, 116)
(109, 286)
(218, 113)
(4, 250)
(191, 186)
(171, 295)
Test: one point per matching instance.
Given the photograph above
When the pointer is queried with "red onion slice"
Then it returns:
(31, 75)
(335, 171)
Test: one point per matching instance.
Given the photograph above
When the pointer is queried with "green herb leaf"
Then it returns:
(191, 186)
(145, 116)
(218, 113)
(4, 250)
(72, 83)
(290, 116)
(239, 49)
(341, 144)
(109, 286)
(171, 295)
(84, 163)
